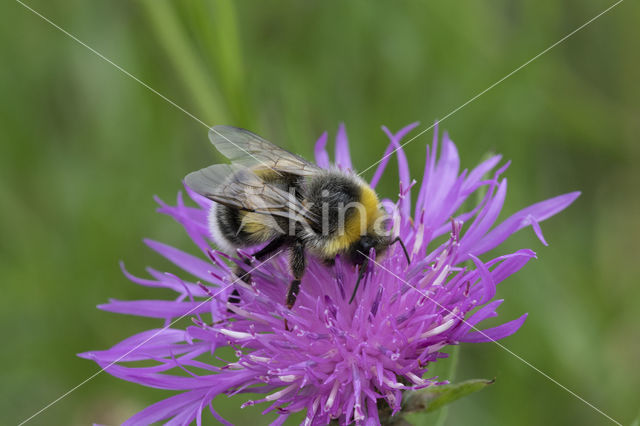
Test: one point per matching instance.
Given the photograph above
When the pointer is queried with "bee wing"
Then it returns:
(250, 150)
(212, 181)
(239, 187)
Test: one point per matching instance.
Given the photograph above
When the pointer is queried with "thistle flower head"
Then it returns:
(338, 360)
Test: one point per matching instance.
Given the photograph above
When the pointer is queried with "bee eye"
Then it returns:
(360, 250)
(367, 243)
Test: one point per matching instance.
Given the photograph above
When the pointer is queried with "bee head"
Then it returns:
(360, 250)
(359, 254)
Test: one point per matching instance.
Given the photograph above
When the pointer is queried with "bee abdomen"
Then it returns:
(232, 228)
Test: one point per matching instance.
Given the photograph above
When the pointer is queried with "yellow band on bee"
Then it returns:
(366, 212)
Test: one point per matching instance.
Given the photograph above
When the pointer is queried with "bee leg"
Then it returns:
(234, 297)
(292, 294)
(298, 264)
(404, 249)
(241, 273)
(244, 276)
(273, 245)
(261, 254)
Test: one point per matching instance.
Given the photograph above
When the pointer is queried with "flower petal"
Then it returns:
(343, 158)
(322, 157)
(195, 266)
(538, 212)
(403, 165)
(139, 346)
(495, 333)
(155, 308)
(484, 220)
(387, 153)
(173, 406)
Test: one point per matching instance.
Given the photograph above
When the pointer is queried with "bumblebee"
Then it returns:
(268, 195)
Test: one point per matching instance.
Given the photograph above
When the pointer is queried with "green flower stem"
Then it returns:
(172, 37)
(451, 376)
(215, 24)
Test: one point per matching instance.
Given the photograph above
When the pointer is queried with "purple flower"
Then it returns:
(339, 360)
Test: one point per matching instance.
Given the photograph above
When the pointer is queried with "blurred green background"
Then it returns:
(84, 148)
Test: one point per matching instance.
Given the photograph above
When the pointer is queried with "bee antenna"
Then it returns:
(404, 249)
(363, 270)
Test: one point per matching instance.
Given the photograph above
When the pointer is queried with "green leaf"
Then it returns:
(434, 397)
